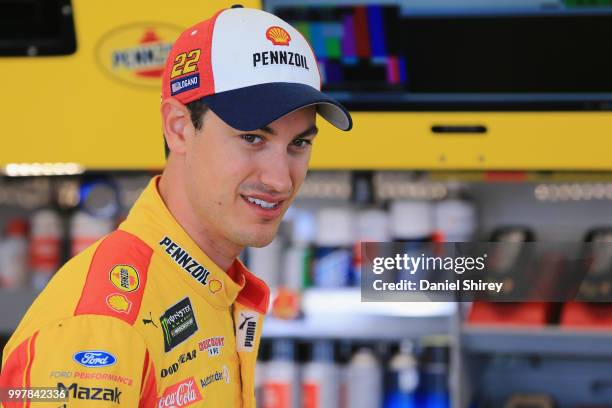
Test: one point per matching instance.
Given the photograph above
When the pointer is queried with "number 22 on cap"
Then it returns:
(185, 62)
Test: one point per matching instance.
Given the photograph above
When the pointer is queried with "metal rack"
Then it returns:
(543, 342)
(339, 313)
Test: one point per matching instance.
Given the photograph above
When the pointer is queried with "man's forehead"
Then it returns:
(303, 119)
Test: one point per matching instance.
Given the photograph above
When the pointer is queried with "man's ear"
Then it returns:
(176, 124)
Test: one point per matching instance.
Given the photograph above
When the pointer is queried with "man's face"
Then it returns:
(241, 183)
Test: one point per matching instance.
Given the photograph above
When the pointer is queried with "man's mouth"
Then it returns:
(266, 205)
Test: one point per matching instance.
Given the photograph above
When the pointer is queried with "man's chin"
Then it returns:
(262, 241)
(259, 237)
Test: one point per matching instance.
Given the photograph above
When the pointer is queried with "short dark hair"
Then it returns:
(197, 110)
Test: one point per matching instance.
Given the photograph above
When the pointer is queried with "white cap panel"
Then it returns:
(242, 55)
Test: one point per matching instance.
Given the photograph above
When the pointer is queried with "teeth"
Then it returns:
(261, 203)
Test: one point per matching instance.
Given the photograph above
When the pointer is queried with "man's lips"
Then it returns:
(265, 205)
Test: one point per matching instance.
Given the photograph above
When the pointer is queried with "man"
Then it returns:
(160, 312)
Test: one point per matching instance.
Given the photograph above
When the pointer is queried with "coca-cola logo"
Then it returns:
(181, 394)
(94, 358)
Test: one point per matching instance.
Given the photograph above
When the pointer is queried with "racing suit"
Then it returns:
(142, 318)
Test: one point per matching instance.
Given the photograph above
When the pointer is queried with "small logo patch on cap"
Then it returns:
(184, 84)
(278, 35)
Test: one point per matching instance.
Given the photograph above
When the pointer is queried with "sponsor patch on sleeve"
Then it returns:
(246, 330)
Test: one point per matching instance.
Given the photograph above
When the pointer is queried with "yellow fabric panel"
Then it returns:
(145, 290)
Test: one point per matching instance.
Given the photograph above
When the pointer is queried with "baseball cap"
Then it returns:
(250, 67)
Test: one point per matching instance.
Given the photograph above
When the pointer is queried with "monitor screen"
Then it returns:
(460, 54)
(36, 28)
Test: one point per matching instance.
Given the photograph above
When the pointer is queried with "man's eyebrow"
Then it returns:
(267, 129)
(311, 131)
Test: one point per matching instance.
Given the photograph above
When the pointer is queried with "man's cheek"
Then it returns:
(298, 174)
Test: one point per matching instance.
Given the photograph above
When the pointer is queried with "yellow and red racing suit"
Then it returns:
(142, 318)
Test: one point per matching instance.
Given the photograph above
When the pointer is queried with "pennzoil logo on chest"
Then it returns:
(185, 261)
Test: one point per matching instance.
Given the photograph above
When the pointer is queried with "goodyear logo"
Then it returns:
(136, 54)
(278, 35)
(125, 278)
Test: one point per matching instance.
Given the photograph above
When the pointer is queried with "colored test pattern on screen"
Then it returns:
(351, 42)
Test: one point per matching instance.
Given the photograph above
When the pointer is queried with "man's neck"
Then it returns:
(221, 252)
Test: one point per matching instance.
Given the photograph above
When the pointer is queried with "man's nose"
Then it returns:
(276, 173)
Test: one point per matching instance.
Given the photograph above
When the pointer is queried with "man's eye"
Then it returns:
(251, 139)
(301, 143)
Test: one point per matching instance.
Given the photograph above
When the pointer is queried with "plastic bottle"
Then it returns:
(403, 378)
(364, 381)
(456, 220)
(265, 262)
(320, 378)
(86, 229)
(435, 373)
(260, 371)
(45, 246)
(333, 259)
(298, 257)
(296, 261)
(412, 223)
(281, 387)
(411, 220)
(372, 226)
(14, 260)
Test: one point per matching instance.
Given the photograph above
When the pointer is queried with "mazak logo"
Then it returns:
(75, 391)
(212, 345)
(278, 35)
(94, 358)
(247, 330)
(180, 394)
(178, 324)
(183, 358)
(136, 53)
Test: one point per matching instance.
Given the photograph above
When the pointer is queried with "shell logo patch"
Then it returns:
(278, 35)
(125, 278)
(119, 303)
(215, 286)
(136, 53)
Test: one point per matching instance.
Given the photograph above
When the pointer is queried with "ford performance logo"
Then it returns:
(94, 358)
